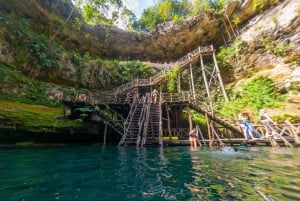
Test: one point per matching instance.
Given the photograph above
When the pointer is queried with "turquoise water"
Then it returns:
(86, 173)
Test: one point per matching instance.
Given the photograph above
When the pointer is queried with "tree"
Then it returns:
(164, 11)
(129, 19)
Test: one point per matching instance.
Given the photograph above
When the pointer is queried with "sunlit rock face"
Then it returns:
(272, 49)
(273, 41)
(167, 43)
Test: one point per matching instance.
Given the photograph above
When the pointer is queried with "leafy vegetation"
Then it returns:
(175, 10)
(227, 54)
(17, 87)
(163, 11)
(172, 75)
(30, 45)
(109, 12)
(281, 49)
(257, 94)
(43, 54)
(33, 117)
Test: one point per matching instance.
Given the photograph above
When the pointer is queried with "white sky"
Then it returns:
(137, 6)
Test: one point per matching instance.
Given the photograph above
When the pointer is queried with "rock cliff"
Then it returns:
(168, 42)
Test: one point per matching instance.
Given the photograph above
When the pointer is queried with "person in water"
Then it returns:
(193, 137)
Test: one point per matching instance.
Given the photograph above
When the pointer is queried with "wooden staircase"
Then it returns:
(133, 124)
(161, 77)
(152, 134)
(116, 123)
(143, 125)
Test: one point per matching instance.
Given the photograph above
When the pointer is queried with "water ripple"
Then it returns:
(173, 173)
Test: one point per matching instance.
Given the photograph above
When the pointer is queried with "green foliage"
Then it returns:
(77, 23)
(22, 89)
(125, 72)
(226, 54)
(256, 94)
(198, 119)
(164, 11)
(129, 19)
(34, 117)
(92, 16)
(15, 29)
(172, 75)
(236, 21)
(277, 49)
(28, 44)
(44, 54)
(284, 116)
(258, 4)
(203, 5)
(149, 19)
(95, 11)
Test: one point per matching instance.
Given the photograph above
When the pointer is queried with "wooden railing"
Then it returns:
(182, 63)
(177, 97)
(181, 133)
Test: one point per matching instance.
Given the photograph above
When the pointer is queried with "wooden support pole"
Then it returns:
(206, 83)
(168, 117)
(192, 83)
(229, 36)
(190, 119)
(210, 137)
(220, 77)
(105, 134)
(178, 82)
(294, 131)
(235, 35)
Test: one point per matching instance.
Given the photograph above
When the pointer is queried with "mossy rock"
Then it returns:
(294, 57)
(24, 144)
(291, 118)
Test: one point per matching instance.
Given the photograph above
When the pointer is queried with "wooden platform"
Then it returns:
(231, 142)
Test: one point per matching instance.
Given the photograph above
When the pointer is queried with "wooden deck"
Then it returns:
(232, 142)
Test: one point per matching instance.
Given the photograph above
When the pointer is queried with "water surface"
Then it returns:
(86, 173)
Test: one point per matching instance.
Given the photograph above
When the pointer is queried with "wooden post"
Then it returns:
(192, 82)
(210, 137)
(206, 83)
(178, 82)
(168, 117)
(190, 119)
(105, 134)
(235, 35)
(293, 130)
(229, 36)
(220, 78)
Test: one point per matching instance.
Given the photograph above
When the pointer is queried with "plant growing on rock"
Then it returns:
(281, 49)
(172, 75)
(258, 93)
(43, 55)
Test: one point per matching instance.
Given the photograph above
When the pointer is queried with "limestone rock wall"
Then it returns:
(168, 42)
(271, 48)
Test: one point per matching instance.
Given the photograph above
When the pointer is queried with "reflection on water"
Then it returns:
(172, 173)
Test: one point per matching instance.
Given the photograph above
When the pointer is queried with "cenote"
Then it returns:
(152, 173)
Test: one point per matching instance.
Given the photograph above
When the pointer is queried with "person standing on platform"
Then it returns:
(154, 95)
(193, 137)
